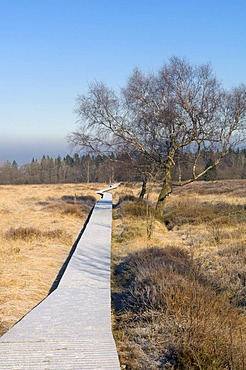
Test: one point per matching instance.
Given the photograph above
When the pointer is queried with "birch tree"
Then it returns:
(180, 108)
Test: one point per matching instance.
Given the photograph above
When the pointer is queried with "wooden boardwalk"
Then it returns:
(71, 328)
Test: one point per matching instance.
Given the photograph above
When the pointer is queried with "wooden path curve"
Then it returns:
(71, 328)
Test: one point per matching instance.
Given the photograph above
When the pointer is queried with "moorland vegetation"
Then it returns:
(179, 293)
(178, 283)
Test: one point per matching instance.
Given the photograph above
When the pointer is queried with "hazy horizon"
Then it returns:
(23, 152)
(52, 50)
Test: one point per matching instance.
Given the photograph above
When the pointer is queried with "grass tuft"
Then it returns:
(195, 211)
(89, 200)
(31, 233)
(23, 233)
(68, 209)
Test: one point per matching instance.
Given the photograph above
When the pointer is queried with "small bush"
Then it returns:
(226, 272)
(127, 198)
(133, 207)
(69, 209)
(165, 312)
(24, 233)
(81, 199)
(74, 209)
(30, 233)
(54, 234)
(195, 213)
(154, 259)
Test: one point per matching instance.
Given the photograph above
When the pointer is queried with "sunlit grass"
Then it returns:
(39, 225)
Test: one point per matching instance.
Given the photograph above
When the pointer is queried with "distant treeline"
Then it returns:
(48, 170)
(86, 168)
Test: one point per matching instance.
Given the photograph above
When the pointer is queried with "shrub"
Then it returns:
(225, 272)
(131, 206)
(165, 312)
(30, 233)
(134, 209)
(24, 233)
(69, 209)
(81, 199)
(127, 198)
(74, 209)
(196, 212)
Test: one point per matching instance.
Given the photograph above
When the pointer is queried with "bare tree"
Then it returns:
(180, 108)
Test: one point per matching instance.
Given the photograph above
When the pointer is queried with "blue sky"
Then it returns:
(52, 49)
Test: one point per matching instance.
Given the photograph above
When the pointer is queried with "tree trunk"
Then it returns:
(166, 185)
(144, 186)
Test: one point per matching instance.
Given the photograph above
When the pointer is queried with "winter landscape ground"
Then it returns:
(178, 284)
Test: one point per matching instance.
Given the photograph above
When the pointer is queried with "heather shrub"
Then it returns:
(23, 233)
(195, 212)
(171, 318)
(68, 209)
(31, 233)
(89, 200)
(226, 272)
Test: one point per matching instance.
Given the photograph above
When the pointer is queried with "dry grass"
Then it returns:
(178, 321)
(39, 224)
(179, 292)
(178, 284)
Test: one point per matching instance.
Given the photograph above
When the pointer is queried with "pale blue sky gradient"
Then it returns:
(50, 50)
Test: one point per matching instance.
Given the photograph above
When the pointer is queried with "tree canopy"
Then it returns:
(182, 108)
